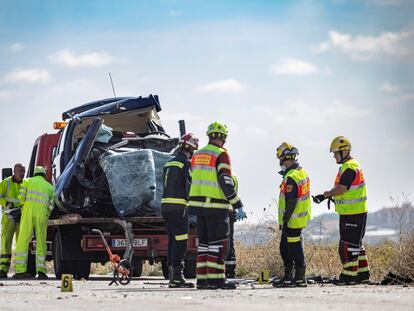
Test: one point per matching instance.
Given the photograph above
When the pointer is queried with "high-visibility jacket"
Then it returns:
(38, 193)
(354, 200)
(177, 180)
(205, 191)
(302, 212)
(9, 191)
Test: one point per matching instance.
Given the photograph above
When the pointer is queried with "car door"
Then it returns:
(74, 167)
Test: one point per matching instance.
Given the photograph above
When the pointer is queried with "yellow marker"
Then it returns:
(66, 283)
(264, 277)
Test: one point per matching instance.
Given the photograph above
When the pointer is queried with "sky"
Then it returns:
(297, 71)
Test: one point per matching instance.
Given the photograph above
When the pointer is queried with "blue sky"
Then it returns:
(301, 71)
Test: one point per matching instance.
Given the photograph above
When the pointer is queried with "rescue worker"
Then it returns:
(294, 213)
(212, 194)
(9, 192)
(177, 180)
(231, 257)
(350, 197)
(36, 195)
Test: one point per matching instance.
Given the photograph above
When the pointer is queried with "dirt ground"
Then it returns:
(152, 294)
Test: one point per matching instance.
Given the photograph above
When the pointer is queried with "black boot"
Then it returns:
(3, 275)
(178, 280)
(42, 276)
(363, 278)
(23, 275)
(230, 271)
(226, 285)
(299, 280)
(287, 278)
(345, 280)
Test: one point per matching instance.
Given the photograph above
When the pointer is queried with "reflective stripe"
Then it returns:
(206, 183)
(201, 276)
(41, 265)
(363, 258)
(215, 275)
(350, 273)
(8, 199)
(41, 194)
(351, 264)
(204, 167)
(215, 265)
(201, 264)
(208, 205)
(175, 163)
(181, 237)
(209, 152)
(357, 186)
(351, 201)
(298, 215)
(230, 262)
(40, 258)
(293, 239)
(223, 165)
(174, 201)
(234, 200)
(364, 269)
(20, 254)
(351, 249)
(37, 201)
(20, 262)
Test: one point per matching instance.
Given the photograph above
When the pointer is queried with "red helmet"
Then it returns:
(189, 142)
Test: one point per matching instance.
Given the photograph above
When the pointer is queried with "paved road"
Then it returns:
(152, 294)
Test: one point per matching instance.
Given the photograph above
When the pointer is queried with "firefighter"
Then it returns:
(231, 257)
(36, 195)
(177, 180)
(294, 213)
(350, 197)
(212, 194)
(9, 192)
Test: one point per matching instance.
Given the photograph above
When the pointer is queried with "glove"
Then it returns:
(240, 214)
(318, 198)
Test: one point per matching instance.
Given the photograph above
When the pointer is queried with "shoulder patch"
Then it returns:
(289, 188)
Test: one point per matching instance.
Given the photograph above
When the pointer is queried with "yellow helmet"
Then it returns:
(286, 151)
(39, 170)
(217, 128)
(340, 143)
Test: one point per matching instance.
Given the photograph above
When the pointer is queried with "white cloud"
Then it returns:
(391, 44)
(174, 13)
(388, 87)
(6, 94)
(222, 86)
(34, 75)
(17, 47)
(315, 114)
(71, 59)
(293, 66)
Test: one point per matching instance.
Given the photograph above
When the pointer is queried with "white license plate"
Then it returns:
(123, 242)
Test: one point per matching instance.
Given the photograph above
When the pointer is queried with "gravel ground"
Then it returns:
(153, 294)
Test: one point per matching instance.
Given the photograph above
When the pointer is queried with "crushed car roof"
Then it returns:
(113, 105)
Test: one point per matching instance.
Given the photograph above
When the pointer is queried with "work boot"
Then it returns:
(287, 278)
(299, 280)
(230, 272)
(22, 275)
(363, 278)
(226, 286)
(345, 280)
(177, 280)
(3, 275)
(42, 276)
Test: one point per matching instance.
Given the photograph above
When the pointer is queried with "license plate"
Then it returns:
(123, 243)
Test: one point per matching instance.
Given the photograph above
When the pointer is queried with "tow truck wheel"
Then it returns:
(164, 267)
(60, 266)
(137, 267)
(82, 269)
